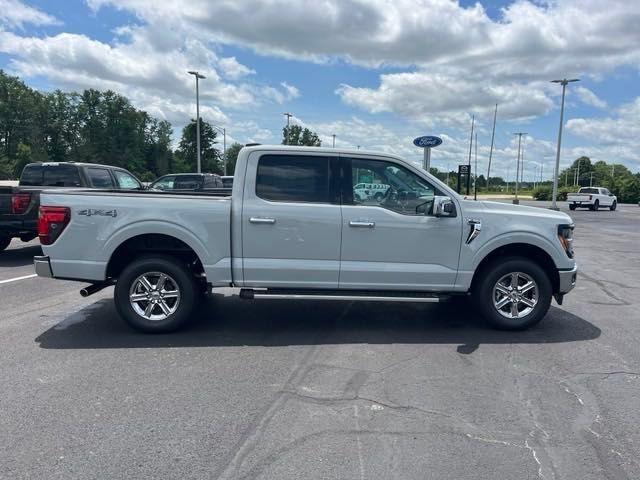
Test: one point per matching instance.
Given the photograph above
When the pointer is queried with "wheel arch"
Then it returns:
(148, 244)
(524, 250)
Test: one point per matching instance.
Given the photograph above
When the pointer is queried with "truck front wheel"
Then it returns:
(156, 294)
(513, 294)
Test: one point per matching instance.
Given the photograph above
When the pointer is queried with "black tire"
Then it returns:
(483, 293)
(595, 206)
(613, 206)
(572, 206)
(4, 242)
(378, 196)
(178, 275)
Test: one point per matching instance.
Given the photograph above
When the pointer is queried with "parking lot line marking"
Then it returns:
(18, 278)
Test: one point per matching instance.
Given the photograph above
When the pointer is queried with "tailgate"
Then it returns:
(5, 200)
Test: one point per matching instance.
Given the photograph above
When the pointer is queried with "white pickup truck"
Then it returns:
(293, 228)
(592, 198)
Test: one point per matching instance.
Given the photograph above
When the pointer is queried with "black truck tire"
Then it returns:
(156, 294)
(522, 306)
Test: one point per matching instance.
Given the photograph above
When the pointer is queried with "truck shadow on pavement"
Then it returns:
(19, 257)
(229, 321)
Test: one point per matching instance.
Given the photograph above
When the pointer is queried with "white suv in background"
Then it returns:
(366, 191)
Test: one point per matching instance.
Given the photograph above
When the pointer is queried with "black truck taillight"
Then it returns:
(20, 203)
(51, 222)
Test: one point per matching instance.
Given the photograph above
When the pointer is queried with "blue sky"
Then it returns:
(374, 73)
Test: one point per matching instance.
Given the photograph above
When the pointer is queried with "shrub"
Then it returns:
(542, 193)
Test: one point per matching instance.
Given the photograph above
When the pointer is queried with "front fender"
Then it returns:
(556, 253)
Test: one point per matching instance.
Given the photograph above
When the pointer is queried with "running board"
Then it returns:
(371, 296)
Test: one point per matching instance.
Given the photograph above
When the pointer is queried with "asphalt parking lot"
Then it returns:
(293, 390)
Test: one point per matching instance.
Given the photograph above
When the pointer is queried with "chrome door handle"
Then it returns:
(264, 220)
(362, 224)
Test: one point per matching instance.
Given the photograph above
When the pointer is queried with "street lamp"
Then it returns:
(198, 77)
(224, 145)
(564, 82)
(516, 201)
(288, 115)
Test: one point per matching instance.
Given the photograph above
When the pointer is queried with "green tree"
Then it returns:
(23, 157)
(210, 156)
(296, 135)
(232, 157)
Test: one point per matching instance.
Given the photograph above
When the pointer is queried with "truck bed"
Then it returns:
(101, 220)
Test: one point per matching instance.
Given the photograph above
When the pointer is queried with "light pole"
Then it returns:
(520, 134)
(473, 119)
(564, 82)
(475, 173)
(198, 77)
(288, 115)
(493, 134)
(224, 146)
(334, 140)
(577, 182)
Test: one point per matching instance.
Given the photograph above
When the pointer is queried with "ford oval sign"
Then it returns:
(427, 141)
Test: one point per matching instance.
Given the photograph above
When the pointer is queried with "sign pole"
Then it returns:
(426, 162)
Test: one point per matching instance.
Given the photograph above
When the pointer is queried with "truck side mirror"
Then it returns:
(443, 207)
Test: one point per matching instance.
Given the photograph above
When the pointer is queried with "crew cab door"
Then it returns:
(291, 221)
(394, 242)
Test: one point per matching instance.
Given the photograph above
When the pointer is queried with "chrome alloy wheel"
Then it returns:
(515, 295)
(154, 296)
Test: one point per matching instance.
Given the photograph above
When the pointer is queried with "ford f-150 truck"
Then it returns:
(592, 198)
(293, 228)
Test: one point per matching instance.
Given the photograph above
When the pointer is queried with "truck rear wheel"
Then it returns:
(4, 242)
(156, 294)
(513, 294)
(572, 206)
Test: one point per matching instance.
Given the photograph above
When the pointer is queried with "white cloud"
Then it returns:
(233, 69)
(463, 62)
(292, 92)
(615, 138)
(589, 98)
(15, 14)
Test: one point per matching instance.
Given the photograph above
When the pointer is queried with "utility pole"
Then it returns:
(475, 173)
(473, 119)
(564, 82)
(591, 180)
(198, 77)
(566, 177)
(520, 134)
(334, 140)
(288, 115)
(224, 146)
(493, 134)
(577, 182)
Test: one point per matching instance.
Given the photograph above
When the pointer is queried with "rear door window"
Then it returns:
(100, 177)
(293, 178)
(60, 176)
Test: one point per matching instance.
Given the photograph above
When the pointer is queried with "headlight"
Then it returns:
(565, 236)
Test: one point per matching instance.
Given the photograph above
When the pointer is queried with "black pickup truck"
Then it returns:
(19, 205)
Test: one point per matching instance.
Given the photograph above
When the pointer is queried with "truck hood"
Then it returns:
(538, 212)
